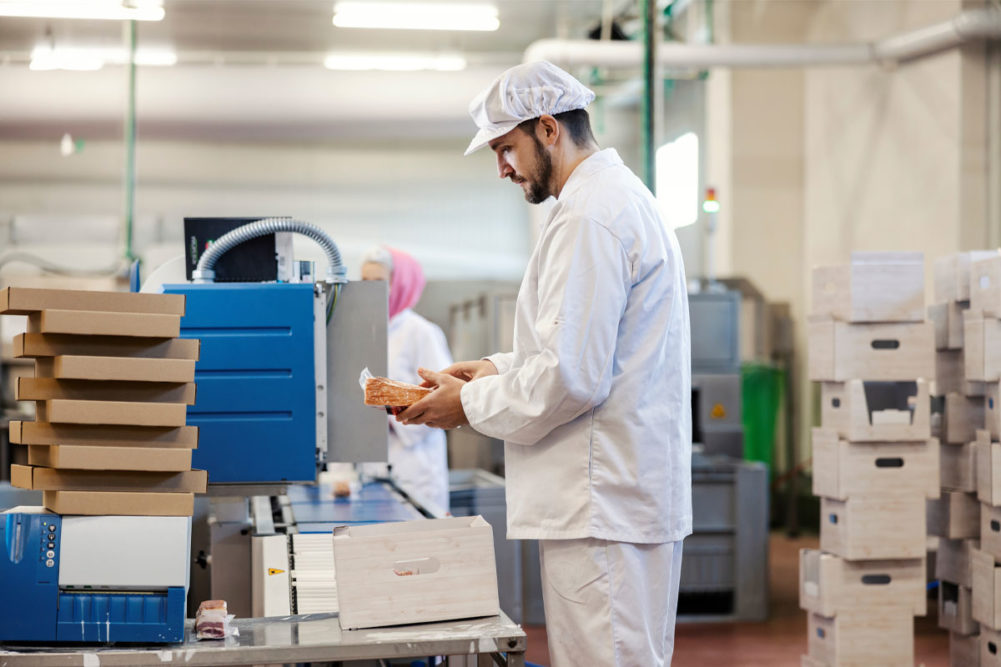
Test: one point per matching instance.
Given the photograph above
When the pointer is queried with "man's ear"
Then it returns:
(548, 130)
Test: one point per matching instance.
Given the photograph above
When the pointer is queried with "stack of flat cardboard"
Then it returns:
(112, 384)
(957, 419)
(874, 461)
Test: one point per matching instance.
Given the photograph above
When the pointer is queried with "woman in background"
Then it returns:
(417, 453)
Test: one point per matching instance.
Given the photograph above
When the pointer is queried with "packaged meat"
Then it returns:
(383, 391)
(212, 621)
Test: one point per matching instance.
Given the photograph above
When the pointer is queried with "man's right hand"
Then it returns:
(470, 370)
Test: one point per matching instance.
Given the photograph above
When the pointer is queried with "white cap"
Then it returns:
(378, 255)
(522, 93)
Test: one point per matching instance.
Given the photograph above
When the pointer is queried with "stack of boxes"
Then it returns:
(957, 419)
(111, 386)
(982, 364)
(874, 461)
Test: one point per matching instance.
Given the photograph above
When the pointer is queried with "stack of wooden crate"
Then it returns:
(111, 387)
(874, 461)
(957, 418)
(982, 364)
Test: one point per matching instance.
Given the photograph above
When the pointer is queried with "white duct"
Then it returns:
(970, 25)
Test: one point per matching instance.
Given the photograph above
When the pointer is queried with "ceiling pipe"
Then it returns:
(970, 25)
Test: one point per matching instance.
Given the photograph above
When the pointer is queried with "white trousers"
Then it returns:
(610, 603)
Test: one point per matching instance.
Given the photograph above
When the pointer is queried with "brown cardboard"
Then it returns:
(30, 345)
(116, 503)
(43, 389)
(120, 413)
(110, 458)
(95, 323)
(73, 435)
(53, 479)
(27, 300)
(73, 367)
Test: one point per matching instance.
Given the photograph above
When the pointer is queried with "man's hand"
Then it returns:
(442, 408)
(468, 370)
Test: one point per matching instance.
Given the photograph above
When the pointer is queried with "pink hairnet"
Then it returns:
(406, 282)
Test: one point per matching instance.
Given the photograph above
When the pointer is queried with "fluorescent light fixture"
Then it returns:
(121, 10)
(393, 62)
(416, 15)
(45, 58)
(678, 180)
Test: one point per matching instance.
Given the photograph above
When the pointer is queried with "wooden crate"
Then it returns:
(988, 469)
(957, 418)
(985, 286)
(964, 651)
(840, 351)
(40, 433)
(947, 317)
(126, 369)
(829, 585)
(883, 637)
(415, 572)
(950, 375)
(982, 348)
(863, 411)
(990, 647)
(44, 389)
(952, 561)
(955, 515)
(100, 503)
(958, 467)
(990, 530)
(110, 458)
(27, 300)
(890, 528)
(955, 610)
(873, 287)
(807, 661)
(843, 469)
(952, 274)
(33, 345)
(95, 323)
(986, 589)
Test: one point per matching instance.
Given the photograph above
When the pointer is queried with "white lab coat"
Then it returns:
(417, 453)
(595, 401)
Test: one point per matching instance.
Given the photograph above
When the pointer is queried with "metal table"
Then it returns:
(305, 638)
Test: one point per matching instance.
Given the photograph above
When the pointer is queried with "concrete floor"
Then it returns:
(778, 642)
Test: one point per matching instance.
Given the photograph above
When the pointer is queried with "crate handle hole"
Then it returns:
(990, 403)
(992, 647)
(876, 579)
(836, 402)
(833, 518)
(890, 462)
(885, 344)
(821, 633)
(409, 568)
(995, 525)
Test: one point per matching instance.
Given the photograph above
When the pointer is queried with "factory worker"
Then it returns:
(417, 453)
(594, 402)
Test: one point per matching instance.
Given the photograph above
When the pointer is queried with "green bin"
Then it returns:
(761, 394)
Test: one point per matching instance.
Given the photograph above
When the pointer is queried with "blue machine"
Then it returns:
(256, 408)
(40, 607)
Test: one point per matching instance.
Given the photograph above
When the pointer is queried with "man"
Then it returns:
(594, 402)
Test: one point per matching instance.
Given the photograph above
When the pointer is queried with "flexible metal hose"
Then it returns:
(205, 271)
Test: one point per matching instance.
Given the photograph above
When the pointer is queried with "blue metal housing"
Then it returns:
(256, 403)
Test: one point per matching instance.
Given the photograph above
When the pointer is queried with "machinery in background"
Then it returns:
(69, 579)
(716, 380)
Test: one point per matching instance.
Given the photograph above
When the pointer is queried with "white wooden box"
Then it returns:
(990, 530)
(415, 572)
(982, 348)
(873, 287)
(958, 467)
(964, 651)
(988, 469)
(840, 351)
(990, 647)
(955, 611)
(954, 516)
(843, 469)
(863, 411)
(985, 286)
(992, 409)
(947, 317)
(883, 637)
(986, 589)
(890, 528)
(950, 375)
(953, 561)
(829, 584)
(952, 274)
(956, 418)
(807, 661)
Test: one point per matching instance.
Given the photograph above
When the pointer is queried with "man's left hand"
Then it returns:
(442, 408)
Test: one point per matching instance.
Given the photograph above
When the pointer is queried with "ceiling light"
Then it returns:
(89, 59)
(416, 15)
(128, 10)
(393, 62)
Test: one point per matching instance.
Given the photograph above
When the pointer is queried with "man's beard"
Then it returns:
(539, 191)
